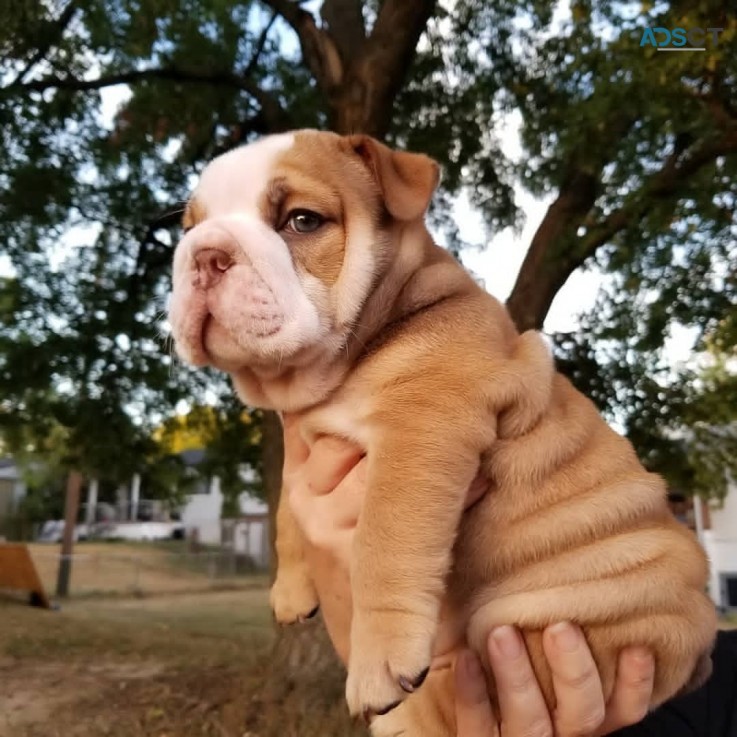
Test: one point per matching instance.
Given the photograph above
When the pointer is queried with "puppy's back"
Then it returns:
(576, 529)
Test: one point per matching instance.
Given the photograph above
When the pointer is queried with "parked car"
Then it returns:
(52, 531)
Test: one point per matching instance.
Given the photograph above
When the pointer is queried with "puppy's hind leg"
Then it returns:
(293, 597)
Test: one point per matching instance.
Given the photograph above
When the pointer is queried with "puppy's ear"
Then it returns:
(407, 181)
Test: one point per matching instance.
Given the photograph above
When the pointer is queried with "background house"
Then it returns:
(247, 533)
(12, 488)
(199, 518)
(715, 525)
(719, 538)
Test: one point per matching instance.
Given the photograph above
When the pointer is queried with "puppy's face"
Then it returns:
(284, 240)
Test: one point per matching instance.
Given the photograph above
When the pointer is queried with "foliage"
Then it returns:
(226, 433)
(109, 108)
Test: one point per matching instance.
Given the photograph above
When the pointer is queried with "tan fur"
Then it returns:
(194, 213)
(433, 381)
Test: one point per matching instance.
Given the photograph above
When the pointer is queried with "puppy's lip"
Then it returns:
(228, 358)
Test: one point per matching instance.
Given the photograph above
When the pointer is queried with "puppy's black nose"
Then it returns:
(211, 264)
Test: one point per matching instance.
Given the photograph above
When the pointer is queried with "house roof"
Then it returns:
(8, 469)
(193, 457)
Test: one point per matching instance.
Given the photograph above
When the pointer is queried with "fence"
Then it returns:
(115, 569)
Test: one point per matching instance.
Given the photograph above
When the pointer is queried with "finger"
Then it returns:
(578, 692)
(633, 690)
(328, 520)
(522, 708)
(330, 461)
(296, 450)
(474, 717)
(350, 492)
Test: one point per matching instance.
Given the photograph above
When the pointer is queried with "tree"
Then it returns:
(230, 437)
(636, 149)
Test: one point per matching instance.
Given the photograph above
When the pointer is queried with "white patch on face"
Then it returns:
(233, 183)
(356, 275)
(259, 310)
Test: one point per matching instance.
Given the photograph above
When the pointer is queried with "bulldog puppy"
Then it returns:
(307, 273)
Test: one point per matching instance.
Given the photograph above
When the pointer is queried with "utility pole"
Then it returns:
(71, 509)
(135, 496)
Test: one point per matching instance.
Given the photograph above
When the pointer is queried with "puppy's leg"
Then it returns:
(293, 597)
(417, 481)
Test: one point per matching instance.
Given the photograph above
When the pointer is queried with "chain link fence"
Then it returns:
(125, 570)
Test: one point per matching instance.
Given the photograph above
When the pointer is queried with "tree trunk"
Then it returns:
(360, 77)
(552, 256)
(71, 509)
(303, 692)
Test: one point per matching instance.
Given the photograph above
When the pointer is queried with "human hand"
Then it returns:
(581, 709)
(327, 482)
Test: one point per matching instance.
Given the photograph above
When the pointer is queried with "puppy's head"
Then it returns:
(284, 241)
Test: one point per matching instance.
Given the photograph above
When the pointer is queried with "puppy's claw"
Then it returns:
(369, 713)
(387, 709)
(412, 686)
(302, 618)
(384, 668)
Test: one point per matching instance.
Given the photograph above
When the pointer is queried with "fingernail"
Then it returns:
(642, 656)
(565, 636)
(508, 641)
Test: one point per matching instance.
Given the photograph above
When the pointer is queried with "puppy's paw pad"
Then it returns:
(293, 598)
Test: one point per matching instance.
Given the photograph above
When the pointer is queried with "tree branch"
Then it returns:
(663, 184)
(291, 12)
(556, 251)
(548, 261)
(173, 74)
(344, 20)
(259, 47)
(271, 109)
(55, 33)
(397, 30)
(318, 49)
(393, 41)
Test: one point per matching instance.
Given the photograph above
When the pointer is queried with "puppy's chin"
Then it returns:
(266, 350)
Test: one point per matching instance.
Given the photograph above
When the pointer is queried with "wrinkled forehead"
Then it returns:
(238, 179)
(253, 178)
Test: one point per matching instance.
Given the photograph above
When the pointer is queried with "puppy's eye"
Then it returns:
(304, 221)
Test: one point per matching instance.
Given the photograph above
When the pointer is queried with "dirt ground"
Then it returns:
(171, 666)
(190, 665)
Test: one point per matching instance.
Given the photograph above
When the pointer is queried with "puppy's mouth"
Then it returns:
(238, 302)
(235, 326)
(237, 323)
(231, 347)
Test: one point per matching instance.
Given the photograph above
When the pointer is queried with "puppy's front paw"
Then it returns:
(293, 597)
(390, 658)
